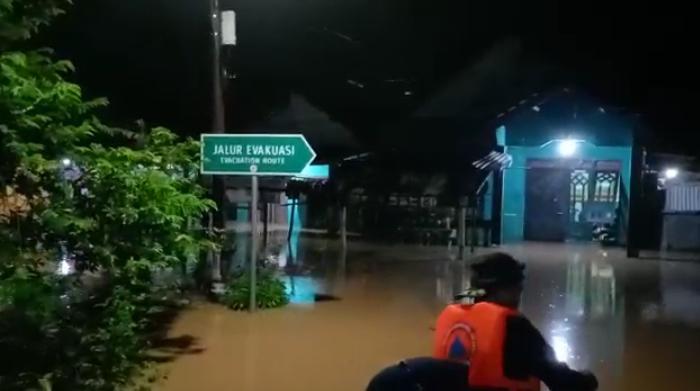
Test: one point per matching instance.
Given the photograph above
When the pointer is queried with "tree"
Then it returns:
(120, 202)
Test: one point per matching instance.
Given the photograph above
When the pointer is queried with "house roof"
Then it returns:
(329, 138)
(566, 113)
(503, 74)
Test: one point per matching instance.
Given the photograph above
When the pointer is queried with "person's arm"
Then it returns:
(526, 353)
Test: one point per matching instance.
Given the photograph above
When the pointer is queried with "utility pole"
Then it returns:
(218, 126)
(219, 118)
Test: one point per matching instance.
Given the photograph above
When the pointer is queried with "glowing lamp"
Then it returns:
(567, 147)
(671, 173)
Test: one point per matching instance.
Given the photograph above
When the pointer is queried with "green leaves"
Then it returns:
(270, 291)
(140, 200)
(22, 18)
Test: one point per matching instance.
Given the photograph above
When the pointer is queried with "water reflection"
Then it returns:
(589, 331)
(603, 301)
(308, 271)
(680, 294)
(301, 290)
(575, 288)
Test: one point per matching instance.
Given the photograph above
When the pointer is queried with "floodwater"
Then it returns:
(635, 323)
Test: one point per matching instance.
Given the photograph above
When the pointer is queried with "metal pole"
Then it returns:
(254, 241)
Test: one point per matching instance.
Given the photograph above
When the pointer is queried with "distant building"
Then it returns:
(570, 169)
(681, 213)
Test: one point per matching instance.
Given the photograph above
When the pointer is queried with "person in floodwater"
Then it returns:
(503, 350)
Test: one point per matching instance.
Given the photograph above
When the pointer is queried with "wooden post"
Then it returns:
(266, 217)
(214, 256)
(497, 207)
(475, 216)
(448, 227)
(462, 227)
(635, 196)
(344, 226)
(291, 220)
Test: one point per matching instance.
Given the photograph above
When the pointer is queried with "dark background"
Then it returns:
(151, 59)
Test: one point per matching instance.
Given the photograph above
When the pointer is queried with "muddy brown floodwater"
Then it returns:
(635, 323)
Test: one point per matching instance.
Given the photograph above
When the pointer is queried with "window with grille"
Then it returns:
(606, 187)
(578, 193)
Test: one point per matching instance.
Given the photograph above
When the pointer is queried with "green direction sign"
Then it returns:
(255, 154)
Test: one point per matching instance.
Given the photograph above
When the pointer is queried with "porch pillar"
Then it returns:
(635, 195)
(497, 207)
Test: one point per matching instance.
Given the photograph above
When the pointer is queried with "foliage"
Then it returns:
(20, 19)
(43, 119)
(108, 351)
(135, 205)
(64, 345)
(122, 206)
(28, 321)
(270, 291)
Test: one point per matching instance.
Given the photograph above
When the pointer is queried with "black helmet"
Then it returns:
(496, 270)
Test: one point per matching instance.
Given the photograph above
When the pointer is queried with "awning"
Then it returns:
(494, 161)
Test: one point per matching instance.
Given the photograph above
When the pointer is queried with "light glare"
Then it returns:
(671, 173)
(568, 147)
(561, 347)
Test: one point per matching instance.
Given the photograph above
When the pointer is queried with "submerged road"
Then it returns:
(635, 323)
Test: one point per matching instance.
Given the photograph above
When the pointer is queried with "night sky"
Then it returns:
(372, 64)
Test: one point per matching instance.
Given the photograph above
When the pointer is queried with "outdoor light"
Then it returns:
(65, 265)
(671, 173)
(66, 162)
(64, 268)
(568, 147)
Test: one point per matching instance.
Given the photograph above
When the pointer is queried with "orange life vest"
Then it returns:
(475, 334)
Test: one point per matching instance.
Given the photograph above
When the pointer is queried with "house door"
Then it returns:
(547, 204)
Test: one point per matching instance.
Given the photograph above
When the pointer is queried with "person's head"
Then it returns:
(501, 278)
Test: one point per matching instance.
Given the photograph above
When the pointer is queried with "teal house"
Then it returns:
(570, 168)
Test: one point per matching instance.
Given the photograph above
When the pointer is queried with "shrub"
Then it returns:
(270, 291)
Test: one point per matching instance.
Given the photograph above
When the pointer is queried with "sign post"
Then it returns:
(254, 241)
(255, 155)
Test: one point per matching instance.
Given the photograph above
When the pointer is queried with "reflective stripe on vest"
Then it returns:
(475, 334)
